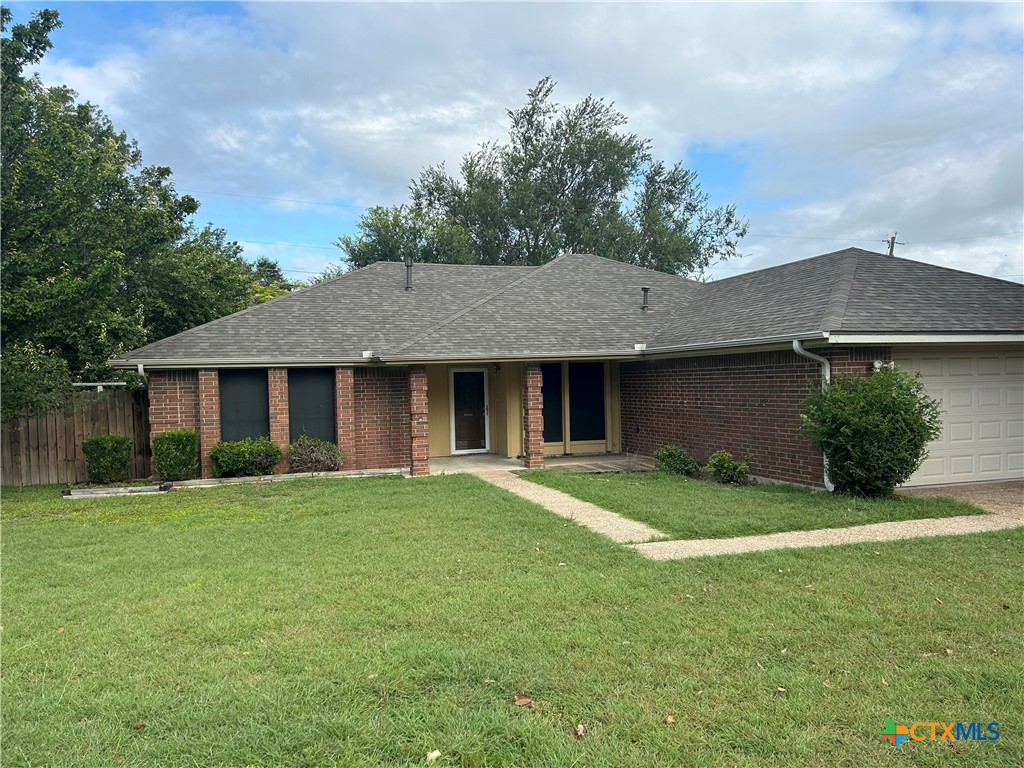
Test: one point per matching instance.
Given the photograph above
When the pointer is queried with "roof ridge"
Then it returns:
(479, 302)
(835, 307)
(631, 265)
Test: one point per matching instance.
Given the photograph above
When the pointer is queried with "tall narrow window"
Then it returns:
(244, 404)
(311, 403)
(586, 401)
(551, 383)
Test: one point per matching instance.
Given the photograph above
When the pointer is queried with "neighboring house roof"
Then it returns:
(588, 306)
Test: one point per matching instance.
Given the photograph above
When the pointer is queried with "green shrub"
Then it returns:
(675, 461)
(108, 458)
(874, 430)
(726, 469)
(309, 454)
(244, 458)
(176, 454)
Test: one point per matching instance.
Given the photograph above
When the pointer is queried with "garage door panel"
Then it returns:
(990, 366)
(961, 366)
(959, 398)
(961, 431)
(982, 404)
(990, 430)
(991, 463)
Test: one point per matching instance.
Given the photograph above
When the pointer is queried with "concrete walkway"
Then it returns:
(625, 531)
(828, 537)
(616, 527)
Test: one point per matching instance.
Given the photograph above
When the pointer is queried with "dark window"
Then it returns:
(244, 404)
(586, 401)
(311, 403)
(551, 374)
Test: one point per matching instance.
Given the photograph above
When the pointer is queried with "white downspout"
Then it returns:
(826, 379)
(142, 373)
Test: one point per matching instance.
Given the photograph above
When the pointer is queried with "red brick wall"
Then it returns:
(382, 438)
(745, 403)
(418, 414)
(533, 417)
(280, 432)
(173, 402)
(209, 417)
(345, 413)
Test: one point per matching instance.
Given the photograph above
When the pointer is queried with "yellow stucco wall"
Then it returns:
(505, 414)
(438, 416)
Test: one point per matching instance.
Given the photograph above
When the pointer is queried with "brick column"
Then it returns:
(280, 431)
(209, 417)
(533, 417)
(345, 413)
(418, 429)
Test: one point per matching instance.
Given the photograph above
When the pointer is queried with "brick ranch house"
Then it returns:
(399, 364)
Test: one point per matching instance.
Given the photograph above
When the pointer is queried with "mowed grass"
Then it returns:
(685, 508)
(372, 621)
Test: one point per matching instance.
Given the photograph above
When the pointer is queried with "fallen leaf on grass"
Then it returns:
(937, 600)
(626, 642)
(826, 683)
(139, 726)
(60, 630)
(578, 731)
(669, 720)
(884, 681)
(120, 760)
(700, 692)
(780, 690)
(523, 701)
(784, 650)
(432, 757)
(949, 651)
(371, 677)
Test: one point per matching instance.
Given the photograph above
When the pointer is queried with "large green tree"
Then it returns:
(569, 179)
(99, 252)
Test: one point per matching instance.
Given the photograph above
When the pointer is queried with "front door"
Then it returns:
(470, 430)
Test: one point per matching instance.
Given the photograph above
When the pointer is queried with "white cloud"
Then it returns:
(856, 119)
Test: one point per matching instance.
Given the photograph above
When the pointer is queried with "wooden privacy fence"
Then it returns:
(48, 449)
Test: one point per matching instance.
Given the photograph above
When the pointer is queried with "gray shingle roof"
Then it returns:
(580, 305)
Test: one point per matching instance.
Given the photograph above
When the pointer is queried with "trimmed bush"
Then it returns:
(726, 469)
(244, 458)
(176, 454)
(310, 454)
(874, 430)
(108, 458)
(675, 461)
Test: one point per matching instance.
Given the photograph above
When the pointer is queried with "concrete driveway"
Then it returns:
(1003, 498)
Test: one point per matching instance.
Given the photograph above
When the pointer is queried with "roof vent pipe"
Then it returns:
(408, 273)
(646, 292)
(826, 379)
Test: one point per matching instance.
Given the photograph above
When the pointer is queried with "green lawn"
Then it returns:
(685, 508)
(371, 621)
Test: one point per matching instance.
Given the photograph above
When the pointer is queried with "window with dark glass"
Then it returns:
(586, 401)
(551, 383)
(311, 403)
(244, 404)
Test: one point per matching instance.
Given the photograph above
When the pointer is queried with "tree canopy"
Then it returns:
(569, 179)
(99, 252)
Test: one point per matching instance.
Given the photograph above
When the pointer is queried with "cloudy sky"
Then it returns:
(828, 124)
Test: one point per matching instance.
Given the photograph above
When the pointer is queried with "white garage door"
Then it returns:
(983, 416)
